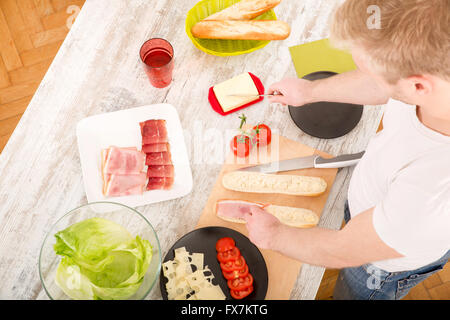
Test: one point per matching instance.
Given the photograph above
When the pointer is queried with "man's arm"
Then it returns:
(356, 244)
(354, 87)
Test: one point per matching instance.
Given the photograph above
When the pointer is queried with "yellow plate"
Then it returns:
(223, 48)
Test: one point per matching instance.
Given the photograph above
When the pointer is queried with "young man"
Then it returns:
(398, 212)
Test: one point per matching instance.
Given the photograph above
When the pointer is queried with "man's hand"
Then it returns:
(262, 227)
(356, 244)
(354, 87)
(293, 92)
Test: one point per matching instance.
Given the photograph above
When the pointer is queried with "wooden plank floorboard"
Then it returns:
(11, 109)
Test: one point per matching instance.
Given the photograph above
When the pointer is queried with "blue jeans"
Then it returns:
(368, 282)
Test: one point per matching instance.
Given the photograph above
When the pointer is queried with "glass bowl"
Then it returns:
(125, 216)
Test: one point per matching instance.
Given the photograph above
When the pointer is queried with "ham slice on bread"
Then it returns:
(124, 161)
(122, 171)
(124, 185)
(234, 211)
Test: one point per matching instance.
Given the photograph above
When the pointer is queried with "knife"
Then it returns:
(314, 161)
(255, 95)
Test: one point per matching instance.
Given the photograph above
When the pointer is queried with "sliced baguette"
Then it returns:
(244, 10)
(241, 30)
(254, 182)
(294, 217)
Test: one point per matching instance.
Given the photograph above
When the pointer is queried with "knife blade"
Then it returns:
(314, 161)
(252, 95)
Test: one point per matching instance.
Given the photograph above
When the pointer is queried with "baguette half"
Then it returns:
(244, 10)
(255, 182)
(233, 210)
(241, 30)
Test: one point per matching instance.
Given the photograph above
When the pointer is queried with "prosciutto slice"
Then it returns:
(123, 161)
(235, 209)
(155, 183)
(155, 147)
(158, 159)
(124, 185)
(153, 131)
(160, 171)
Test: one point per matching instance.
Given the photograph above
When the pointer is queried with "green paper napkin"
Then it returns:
(320, 56)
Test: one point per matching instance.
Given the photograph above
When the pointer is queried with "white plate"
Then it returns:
(121, 129)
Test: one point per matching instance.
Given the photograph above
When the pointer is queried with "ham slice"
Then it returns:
(158, 159)
(124, 185)
(155, 147)
(124, 161)
(234, 210)
(122, 171)
(160, 171)
(153, 131)
(155, 183)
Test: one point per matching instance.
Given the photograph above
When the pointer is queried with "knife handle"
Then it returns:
(346, 160)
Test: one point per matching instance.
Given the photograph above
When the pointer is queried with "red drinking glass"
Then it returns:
(157, 56)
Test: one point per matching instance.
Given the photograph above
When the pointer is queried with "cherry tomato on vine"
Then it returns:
(241, 146)
(262, 135)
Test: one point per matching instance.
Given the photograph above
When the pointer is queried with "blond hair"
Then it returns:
(413, 37)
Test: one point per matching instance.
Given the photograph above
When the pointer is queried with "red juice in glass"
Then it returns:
(157, 56)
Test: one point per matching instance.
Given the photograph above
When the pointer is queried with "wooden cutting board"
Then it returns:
(283, 271)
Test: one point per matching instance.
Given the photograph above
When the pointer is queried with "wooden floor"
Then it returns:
(31, 32)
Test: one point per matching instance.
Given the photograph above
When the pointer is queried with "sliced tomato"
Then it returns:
(232, 265)
(240, 283)
(262, 135)
(225, 244)
(236, 273)
(242, 293)
(229, 255)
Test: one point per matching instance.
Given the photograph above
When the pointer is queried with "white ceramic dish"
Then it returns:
(121, 129)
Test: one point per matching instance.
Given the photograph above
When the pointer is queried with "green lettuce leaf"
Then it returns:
(100, 260)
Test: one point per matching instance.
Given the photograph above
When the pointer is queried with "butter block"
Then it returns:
(243, 85)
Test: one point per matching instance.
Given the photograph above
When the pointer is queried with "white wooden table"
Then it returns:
(98, 70)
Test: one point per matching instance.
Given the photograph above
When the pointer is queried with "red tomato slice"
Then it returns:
(240, 283)
(232, 265)
(225, 244)
(262, 135)
(236, 273)
(229, 255)
(242, 293)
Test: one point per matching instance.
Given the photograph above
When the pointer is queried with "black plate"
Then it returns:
(204, 241)
(326, 120)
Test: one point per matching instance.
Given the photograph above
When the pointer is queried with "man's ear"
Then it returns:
(419, 84)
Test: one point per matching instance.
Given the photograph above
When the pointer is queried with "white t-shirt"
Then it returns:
(405, 175)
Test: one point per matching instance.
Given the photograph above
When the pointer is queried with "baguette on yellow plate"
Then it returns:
(255, 182)
(241, 30)
(244, 10)
(234, 210)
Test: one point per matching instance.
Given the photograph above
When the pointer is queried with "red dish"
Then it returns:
(216, 105)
